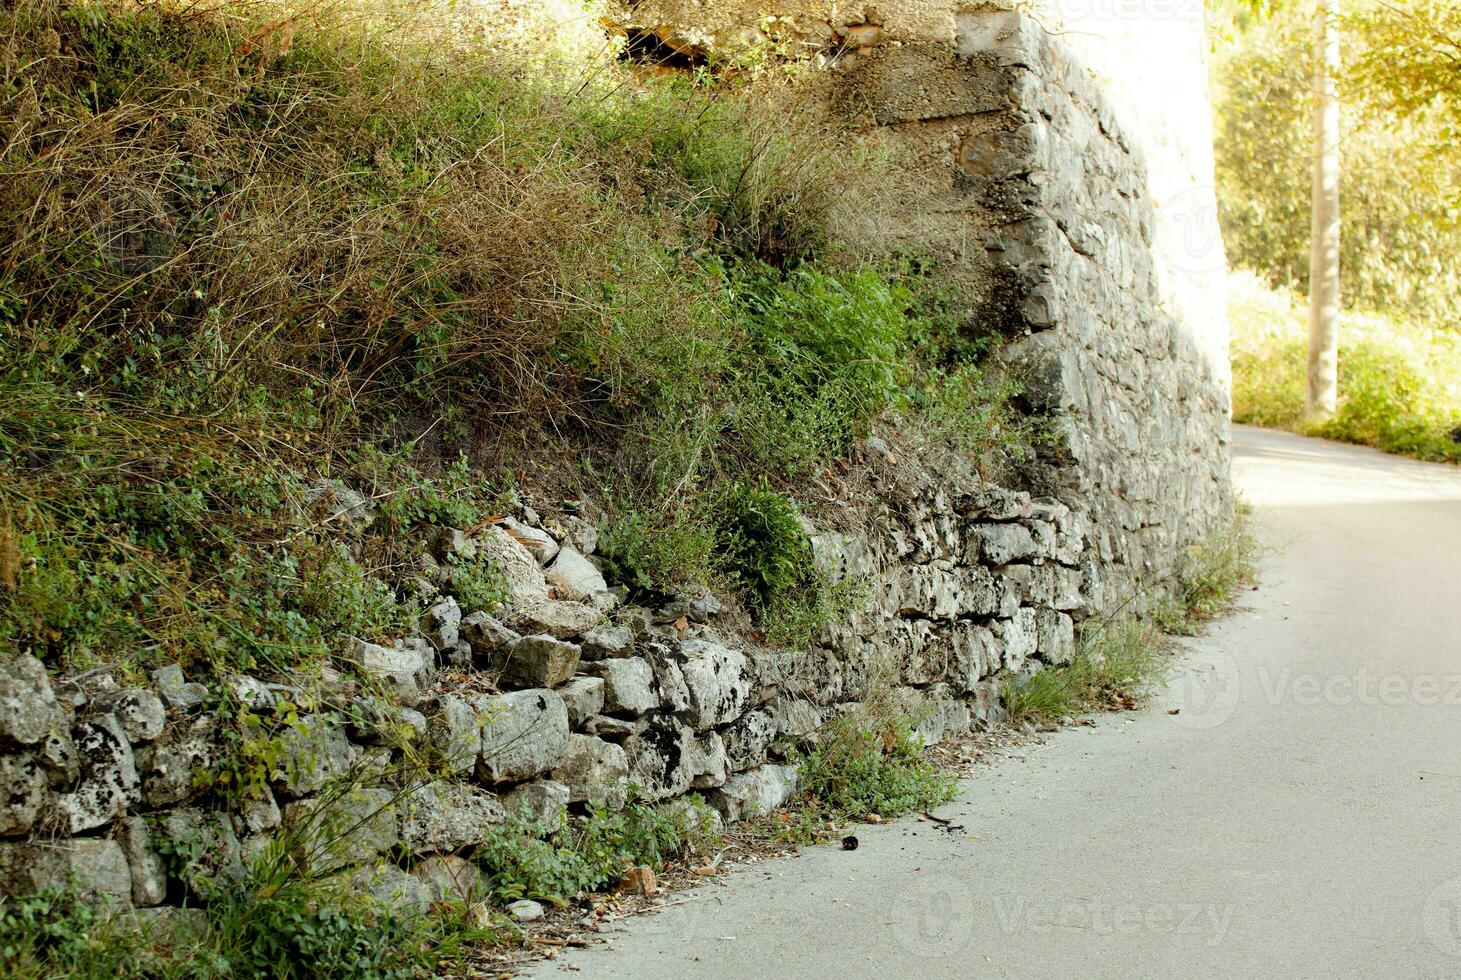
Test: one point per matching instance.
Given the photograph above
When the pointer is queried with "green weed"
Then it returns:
(870, 762)
(527, 859)
(1115, 663)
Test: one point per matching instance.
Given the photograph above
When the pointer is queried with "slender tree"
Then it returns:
(1324, 246)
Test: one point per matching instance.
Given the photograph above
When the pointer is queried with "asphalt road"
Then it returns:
(1299, 817)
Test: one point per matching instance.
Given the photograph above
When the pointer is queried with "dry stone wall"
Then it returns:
(565, 698)
(1056, 162)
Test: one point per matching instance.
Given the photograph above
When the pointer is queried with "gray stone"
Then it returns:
(671, 692)
(538, 661)
(564, 620)
(335, 504)
(391, 888)
(140, 713)
(449, 878)
(348, 826)
(180, 765)
(526, 586)
(663, 758)
(149, 874)
(539, 543)
(181, 695)
(259, 814)
(96, 866)
(747, 740)
(582, 534)
(58, 756)
(405, 669)
(710, 765)
(452, 732)
(447, 816)
(251, 692)
(486, 634)
(207, 847)
(452, 542)
(594, 771)
(109, 782)
(577, 579)
(1056, 636)
(717, 681)
(758, 791)
(523, 734)
(312, 753)
(544, 801)
(28, 706)
(442, 623)
(584, 698)
(794, 716)
(525, 910)
(605, 642)
(611, 729)
(24, 793)
(629, 685)
(1000, 544)
(1019, 637)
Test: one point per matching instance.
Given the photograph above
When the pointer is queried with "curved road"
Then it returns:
(1299, 817)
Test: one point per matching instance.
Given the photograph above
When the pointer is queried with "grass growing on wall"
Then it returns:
(230, 270)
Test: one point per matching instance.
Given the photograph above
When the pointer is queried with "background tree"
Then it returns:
(1323, 389)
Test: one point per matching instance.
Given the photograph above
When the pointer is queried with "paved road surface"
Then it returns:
(1301, 816)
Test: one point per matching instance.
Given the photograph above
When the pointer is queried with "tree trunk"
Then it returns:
(1324, 246)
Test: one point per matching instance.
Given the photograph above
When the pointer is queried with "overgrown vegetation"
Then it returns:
(389, 258)
(1399, 380)
(528, 859)
(870, 762)
(1122, 658)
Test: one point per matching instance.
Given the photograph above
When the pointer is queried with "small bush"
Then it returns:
(58, 934)
(763, 541)
(1115, 663)
(870, 762)
(527, 859)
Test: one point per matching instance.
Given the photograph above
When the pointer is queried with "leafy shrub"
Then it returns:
(657, 550)
(527, 859)
(763, 541)
(871, 763)
(56, 933)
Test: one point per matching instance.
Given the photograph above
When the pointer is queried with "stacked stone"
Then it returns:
(563, 698)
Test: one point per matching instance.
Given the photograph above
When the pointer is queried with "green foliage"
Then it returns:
(657, 550)
(477, 582)
(57, 934)
(871, 762)
(394, 259)
(794, 620)
(1399, 380)
(764, 543)
(1400, 169)
(1115, 662)
(527, 859)
(1216, 569)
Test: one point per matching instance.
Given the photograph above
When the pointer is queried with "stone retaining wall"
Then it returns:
(566, 698)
